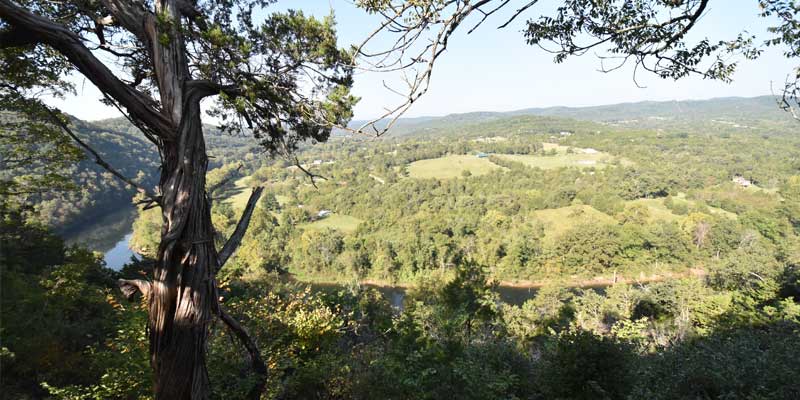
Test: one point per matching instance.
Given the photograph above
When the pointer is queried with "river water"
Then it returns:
(110, 235)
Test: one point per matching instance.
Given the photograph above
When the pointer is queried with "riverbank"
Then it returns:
(572, 282)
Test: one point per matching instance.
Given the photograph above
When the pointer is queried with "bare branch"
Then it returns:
(308, 173)
(517, 13)
(241, 228)
(256, 362)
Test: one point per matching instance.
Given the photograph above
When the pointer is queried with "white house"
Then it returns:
(323, 213)
(742, 181)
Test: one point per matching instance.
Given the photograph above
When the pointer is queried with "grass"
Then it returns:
(561, 159)
(554, 146)
(344, 223)
(451, 167)
(756, 188)
(241, 193)
(560, 220)
(656, 208)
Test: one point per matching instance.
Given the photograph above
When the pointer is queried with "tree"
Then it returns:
(282, 80)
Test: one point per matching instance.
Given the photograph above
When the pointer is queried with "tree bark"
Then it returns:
(183, 295)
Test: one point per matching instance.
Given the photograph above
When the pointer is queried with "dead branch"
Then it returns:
(241, 228)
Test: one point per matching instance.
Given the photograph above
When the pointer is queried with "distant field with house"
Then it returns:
(344, 223)
(241, 193)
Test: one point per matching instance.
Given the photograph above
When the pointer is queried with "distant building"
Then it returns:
(565, 133)
(590, 151)
(742, 181)
(323, 213)
(317, 162)
(482, 155)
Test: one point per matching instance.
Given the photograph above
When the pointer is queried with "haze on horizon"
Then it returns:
(494, 70)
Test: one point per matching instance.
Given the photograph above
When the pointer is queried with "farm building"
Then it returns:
(742, 181)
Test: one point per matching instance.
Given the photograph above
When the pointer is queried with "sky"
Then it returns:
(494, 70)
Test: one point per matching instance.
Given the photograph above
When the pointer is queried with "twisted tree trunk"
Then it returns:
(183, 296)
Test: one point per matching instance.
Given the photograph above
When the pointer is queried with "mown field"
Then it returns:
(564, 157)
(344, 223)
(452, 166)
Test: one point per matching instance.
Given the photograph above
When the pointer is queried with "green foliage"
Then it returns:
(59, 313)
(581, 365)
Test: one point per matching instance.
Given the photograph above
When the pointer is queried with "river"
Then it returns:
(110, 235)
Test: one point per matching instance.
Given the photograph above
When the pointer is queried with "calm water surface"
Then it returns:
(109, 235)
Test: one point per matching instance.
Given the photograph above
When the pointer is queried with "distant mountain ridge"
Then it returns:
(732, 109)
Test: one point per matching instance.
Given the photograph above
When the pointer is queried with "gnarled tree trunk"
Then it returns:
(183, 296)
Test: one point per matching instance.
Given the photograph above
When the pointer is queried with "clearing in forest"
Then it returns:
(557, 221)
(452, 166)
(344, 223)
(241, 193)
(581, 158)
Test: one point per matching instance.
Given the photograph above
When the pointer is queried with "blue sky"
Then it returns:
(494, 70)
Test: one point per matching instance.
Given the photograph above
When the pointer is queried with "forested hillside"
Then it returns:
(710, 114)
(661, 264)
(97, 192)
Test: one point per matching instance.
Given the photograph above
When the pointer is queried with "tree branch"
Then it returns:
(15, 37)
(71, 46)
(200, 88)
(241, 228)
(257, 363)
(130, 14)
(129, 287)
